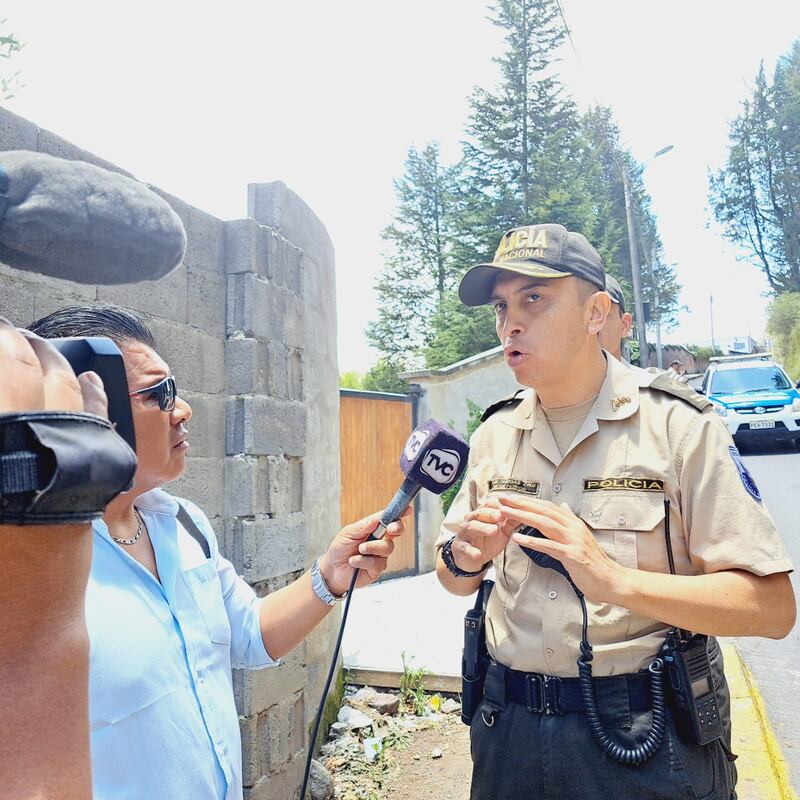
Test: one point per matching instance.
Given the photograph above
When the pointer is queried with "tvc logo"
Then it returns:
(441, 465)
(414, 443)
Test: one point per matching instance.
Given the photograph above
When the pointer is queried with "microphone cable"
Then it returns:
(328, 682)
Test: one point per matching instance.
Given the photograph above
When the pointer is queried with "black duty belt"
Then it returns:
(548, 694)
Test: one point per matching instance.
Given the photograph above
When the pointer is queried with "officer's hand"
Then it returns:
(568, 540)
(36, 377)
(482, 535)
(350, 550)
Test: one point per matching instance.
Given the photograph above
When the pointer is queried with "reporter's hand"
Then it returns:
(482, 535)
(350, 550)
(36, 377)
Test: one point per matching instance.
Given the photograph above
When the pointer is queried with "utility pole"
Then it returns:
(636, 278)
(711, 314)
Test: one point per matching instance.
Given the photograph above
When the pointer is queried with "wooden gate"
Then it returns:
(373, 429)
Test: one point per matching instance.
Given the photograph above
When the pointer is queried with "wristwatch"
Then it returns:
(321, 589)
(447, 557)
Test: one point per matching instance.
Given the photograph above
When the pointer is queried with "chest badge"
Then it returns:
(619, 401)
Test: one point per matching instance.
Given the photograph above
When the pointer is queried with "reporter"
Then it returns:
(166, 621)
(44, 648)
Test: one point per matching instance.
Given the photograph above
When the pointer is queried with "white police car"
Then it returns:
(755, 397)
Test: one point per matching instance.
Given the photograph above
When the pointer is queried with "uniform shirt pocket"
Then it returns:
(619, 519)
(206, 590)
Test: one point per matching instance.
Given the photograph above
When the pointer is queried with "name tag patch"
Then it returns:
(630, 484)
(747, 478)
(512, 485)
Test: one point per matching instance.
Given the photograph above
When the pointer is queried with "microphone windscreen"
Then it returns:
(73, 220)
(434, 456)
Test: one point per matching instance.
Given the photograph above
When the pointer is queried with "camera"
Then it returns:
(99, 354)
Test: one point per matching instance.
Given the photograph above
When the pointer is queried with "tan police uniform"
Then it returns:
(638, 445)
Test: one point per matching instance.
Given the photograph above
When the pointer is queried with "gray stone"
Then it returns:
(17, 133)
(354, 718)
(451, 706)
(436, 753)
(338, 729)
(384, 703)
(365, 694)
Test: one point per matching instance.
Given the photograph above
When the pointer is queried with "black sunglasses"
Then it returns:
(166, 391)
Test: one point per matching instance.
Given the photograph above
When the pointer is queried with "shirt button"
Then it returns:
(621, 520)
(552, 595)
(556, 488)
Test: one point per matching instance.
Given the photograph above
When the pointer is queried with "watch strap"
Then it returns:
(321, 588)
(453, 568)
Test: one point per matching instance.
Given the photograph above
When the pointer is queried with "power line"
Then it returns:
(568, 31)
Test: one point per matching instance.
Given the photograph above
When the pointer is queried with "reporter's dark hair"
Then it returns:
(117, 324)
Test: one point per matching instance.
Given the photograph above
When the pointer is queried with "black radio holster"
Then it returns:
(475, 656)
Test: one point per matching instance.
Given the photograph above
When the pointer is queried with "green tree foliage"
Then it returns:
(783, 324)
(529, 155)
(756, 195)
(351, 380)
(418, 270)
(9, 47)
(473, 423)
(382, 376)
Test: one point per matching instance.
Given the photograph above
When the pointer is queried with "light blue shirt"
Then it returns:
(164, 724)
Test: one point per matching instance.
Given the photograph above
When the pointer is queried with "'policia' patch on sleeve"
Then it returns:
(513, 485)
(630, 484)
(747, 478)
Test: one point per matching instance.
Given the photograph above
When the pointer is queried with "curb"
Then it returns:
(763, 773)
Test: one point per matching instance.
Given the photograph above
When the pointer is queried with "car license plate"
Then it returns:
(767, 423)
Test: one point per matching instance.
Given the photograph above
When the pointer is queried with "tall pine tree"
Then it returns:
(418, 271)
(756, 195)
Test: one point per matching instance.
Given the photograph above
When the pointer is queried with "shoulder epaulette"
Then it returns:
(664, 383)
(509, 400)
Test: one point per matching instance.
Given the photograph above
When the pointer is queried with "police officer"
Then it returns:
(588, 455)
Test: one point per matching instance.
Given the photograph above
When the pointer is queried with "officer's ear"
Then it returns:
(627, 324)
(599, 304)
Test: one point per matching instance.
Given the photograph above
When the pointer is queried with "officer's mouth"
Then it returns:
(514, 357)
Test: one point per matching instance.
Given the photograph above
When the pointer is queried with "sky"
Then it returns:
(328, 97)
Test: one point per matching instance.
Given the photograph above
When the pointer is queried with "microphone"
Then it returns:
(73, 220)
(433, 458)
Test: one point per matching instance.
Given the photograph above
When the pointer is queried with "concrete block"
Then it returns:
(294, 270)
(256, 690)
(17, 300)
(205, 248)
(254, 366)
(278, 734)
(295, 484)
(166, 298)
(54, 145)
(277, 206)
(295, 366)
(261, 309)
(265, 548)
(253, 764)
(207, 426)
(17, 133)
(297, 725)
(265, 426)
(206, 296)
(44, 285)
(203, 484)
(197, 359)
(246, 488)
(47, 302)
(280, 784)
(249, 248)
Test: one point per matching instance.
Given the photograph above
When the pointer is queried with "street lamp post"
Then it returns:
(636, 278)
(636, 275)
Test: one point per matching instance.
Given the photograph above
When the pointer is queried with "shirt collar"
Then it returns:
(157, 501)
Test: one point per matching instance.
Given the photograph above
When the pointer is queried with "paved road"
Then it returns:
(776, 665)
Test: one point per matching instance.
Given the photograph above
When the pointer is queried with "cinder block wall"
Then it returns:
(248, 326)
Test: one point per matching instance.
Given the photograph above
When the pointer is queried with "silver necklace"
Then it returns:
(139, 531)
